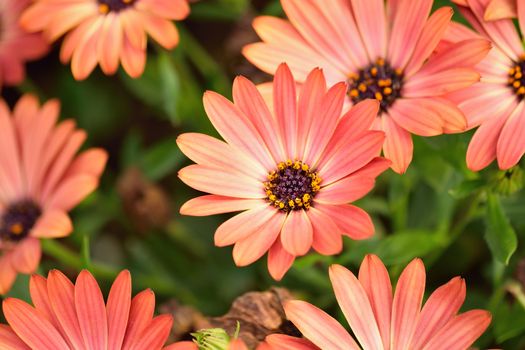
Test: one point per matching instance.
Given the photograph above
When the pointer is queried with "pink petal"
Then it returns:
(350, 156)
(346, 190)
(25, 257)
(90, 162)
(9, 152)
(40, 299)
(432, 33)
(71, 192)
(297, 233)
(52, 224)
(357, 120)
(140, 316)
(133, 59)
(279, 260)
(110, 44)
(7, 274)
(85, 57)
(408, 22)
(461, 332)
(182, 345)
(172, 9)
(252, 104)
(32, 327)
(10, 341)
(252, 248)
(417, 117)
(511, 141)
(134, 31)
(236, 128)
(371, 20)
(237, 344)
(62, 299)
(373, 169)
(285, 108)
(424, 84)
(375, 280)
(407, 304)
(209, 151)
(161, 30)
(212, 204)
(499, 9)
(319, 327)
(398, 146)
(439, 309)
(353, 222)
(353, 300)
(221, 182)
(118, 306)
(154, 334)
(327, 236)
(244, 224)
(286, 342)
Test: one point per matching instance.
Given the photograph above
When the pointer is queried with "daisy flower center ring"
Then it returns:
(106, 6)
(18, 219)
(517, 78)
(292, 186)
(378, 81)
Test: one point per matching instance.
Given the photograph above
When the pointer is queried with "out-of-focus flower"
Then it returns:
(380, 321)
(106, 32)
(384, 53)
(41, 179)
(292, 171)
(67, 316)
(16, 45)
(496, 104)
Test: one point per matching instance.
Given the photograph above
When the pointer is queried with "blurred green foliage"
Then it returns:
(454, 219)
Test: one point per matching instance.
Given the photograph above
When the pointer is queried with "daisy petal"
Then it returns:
(353, 222)
(279, 260)
(26, 255)
(213, 204)
(118, 306)
(297, 233)
(511, 141)
(327, 236)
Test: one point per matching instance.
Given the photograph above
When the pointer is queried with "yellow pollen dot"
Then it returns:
(512, 71)
(291, 203)
(511, 80)
(354, 93)
(103, 8)
(289, 162)
(380, 62)
(399, 71)
(16, 229)
(521, 90)
(281, 205)
(516, 84)
(362, 87)
(387, 91)
(373, 71)
(127, 1)
(379, 97)
(518, 75)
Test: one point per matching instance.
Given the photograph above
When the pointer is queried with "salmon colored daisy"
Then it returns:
(497, 103)
(106, 32)
(41, 179)
(292, 170)
(384, 53)
(74, 316)
(16, 45)
(382, 321)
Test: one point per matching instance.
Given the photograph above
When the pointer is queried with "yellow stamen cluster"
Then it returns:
(379, 81)
(517, 79)
(292, 186)
(106, 6)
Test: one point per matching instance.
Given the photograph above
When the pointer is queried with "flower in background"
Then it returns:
(383, 54)
(74, 316)
(41, 179)
(107, 32)
(380, 321)
(497, 103)
(292, 170)
(16, 45)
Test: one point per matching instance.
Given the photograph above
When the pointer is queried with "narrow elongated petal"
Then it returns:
(279, 260)
(511, 141)
(26, 255)
(118, 306)
(353, 222)
(398, 146)
(347, 190)
(407, 304)
(499, 9)
(319, 327)
(213, 204)
(297, 233)
(327, 235)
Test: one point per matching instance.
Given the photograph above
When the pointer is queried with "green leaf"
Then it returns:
(161, 159)
(467, 187)
(500, 236)
(404, 246)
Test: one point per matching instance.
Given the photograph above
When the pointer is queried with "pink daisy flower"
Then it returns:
(292, 170)
(380, 321)
(16, 45)
(106, 32)
(496, 104)
(74, 316)
(384, 53)
(41, 179)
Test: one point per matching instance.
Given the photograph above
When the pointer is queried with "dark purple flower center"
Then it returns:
(517, 78)
(106, 6)
(378, 81)
(18, 219)
(292, 186)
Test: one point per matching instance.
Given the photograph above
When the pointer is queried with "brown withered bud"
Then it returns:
(145, 202)
(259, 314)
(186, 320)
